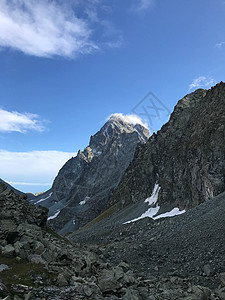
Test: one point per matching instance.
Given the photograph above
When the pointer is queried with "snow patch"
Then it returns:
(141, 136)
(154, 197)
(84, 201)
(153, 210)
(174, 212)
(150, 213)
(54, 216)
(43, 199)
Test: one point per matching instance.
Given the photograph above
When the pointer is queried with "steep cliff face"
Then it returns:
(186, 157)
(85, 183)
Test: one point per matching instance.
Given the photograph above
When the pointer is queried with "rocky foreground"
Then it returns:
(36, 263)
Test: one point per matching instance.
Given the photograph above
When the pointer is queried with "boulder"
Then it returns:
(61, 280)
(8, 250)
(107, 281)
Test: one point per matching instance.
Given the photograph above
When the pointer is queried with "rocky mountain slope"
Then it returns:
(9, 187)
(82, 188)
(187, 246)
(36, 263)
(170, 262)
(186, 158)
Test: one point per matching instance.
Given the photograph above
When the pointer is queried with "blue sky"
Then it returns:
(67, 65)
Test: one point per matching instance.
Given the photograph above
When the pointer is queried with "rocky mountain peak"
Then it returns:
(116, 125)
(186, 157)
(83, 186)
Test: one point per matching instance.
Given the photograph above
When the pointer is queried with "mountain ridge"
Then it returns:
(84, 184)
(185, 157)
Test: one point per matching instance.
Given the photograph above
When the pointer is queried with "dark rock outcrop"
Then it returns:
(85, 183)
(14, 209)
(186, 157)
(9, 187)
(69, 271)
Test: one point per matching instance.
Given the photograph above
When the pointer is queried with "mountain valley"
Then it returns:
(137, 217)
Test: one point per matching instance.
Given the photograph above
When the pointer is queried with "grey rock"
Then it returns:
(18, 298)
(61, 280)
(107, 281)
(221, 294)
(118, 273)
(199, 293)
(208, 270)
(89, 290)
(3, 267)
(37, 259)
(3, 288)
(222, 278)
(131, 295)
(38, 247)
(8, 250)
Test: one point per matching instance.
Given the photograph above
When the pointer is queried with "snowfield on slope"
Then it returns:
(153, 210)
(43, 199)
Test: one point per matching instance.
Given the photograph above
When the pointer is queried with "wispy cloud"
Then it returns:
(20, 122)
(111, 36)
(142, 5)
(44, 28)
(220, 45)
(35, 168)
(202, 82)
(131, 119)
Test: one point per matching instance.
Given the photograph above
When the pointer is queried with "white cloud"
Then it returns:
(220, 45)
(143, 5)
(15, 121)
(202, 82)
(35, 168)
(43, 28)
(131, 119)
(29, 183)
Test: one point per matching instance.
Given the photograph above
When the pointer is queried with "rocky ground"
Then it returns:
(189, 247)
(36, 263)
(177, 258)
